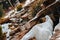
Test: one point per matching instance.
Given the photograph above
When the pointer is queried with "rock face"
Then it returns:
(40, 31)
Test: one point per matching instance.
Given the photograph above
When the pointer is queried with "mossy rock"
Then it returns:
(19, 7)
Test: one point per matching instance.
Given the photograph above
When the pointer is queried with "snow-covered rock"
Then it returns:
(41, 31)
(57, 27)
(27, 2)
(6, 29)
(56, 33)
